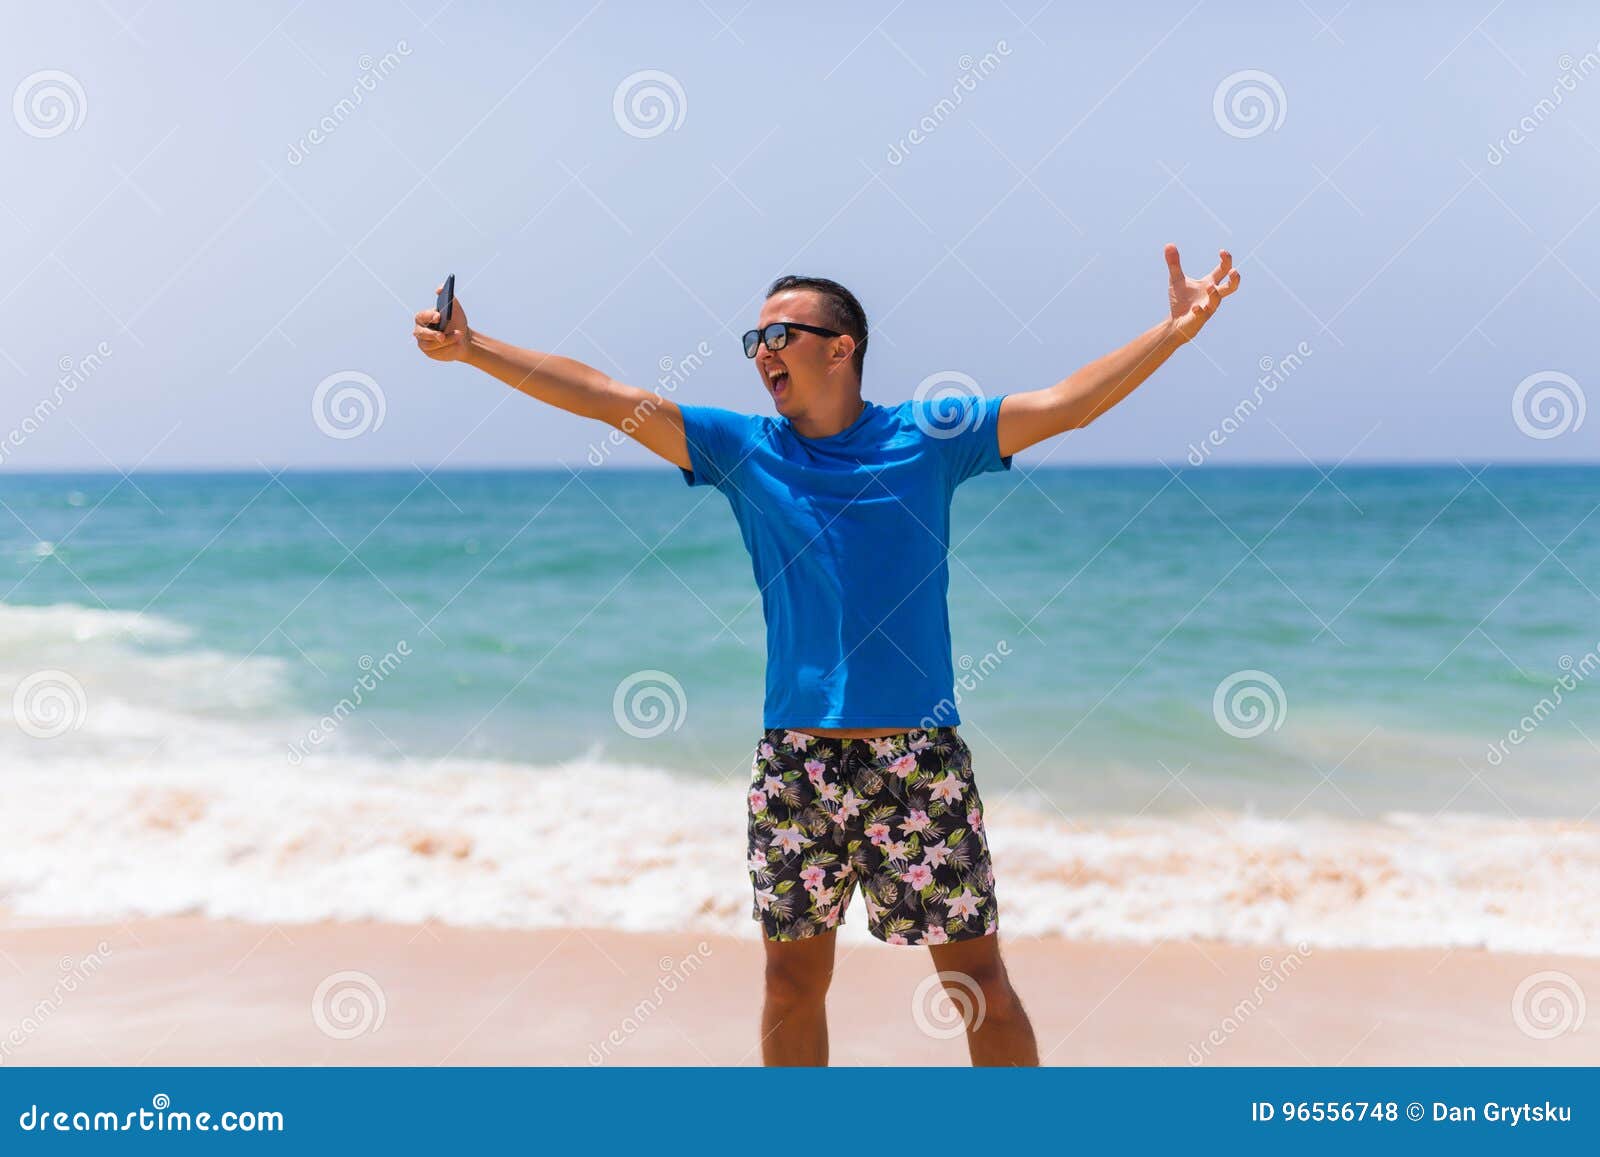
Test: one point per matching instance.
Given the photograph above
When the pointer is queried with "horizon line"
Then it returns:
(649, 467)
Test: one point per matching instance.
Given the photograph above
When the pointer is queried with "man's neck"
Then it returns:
(825, 422)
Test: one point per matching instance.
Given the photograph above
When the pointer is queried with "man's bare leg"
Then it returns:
(974, 976)
(794, 1022)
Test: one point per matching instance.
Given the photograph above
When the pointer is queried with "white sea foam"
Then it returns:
(162, 805)
(67, 622)
(139, 687)
(600, 845)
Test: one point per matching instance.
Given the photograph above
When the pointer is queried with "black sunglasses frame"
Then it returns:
(756, 338)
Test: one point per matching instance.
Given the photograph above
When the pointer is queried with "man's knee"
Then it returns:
(797, 981)
(983, 991)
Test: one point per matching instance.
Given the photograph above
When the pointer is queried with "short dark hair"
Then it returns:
(844, 311)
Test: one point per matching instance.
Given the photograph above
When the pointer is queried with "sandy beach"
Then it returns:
(193, 991)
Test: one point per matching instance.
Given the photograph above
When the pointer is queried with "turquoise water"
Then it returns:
(1411, 617)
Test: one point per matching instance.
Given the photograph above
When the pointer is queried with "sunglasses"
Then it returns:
(776, 336)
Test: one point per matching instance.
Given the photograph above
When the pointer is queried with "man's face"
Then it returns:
(811, 367)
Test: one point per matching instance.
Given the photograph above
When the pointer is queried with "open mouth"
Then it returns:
(777, 380)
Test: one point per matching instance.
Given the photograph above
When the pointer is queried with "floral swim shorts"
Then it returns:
(899, 817)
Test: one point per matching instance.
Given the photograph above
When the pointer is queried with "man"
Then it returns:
(844, 506)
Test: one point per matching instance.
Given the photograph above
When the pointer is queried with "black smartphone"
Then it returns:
(447, 302)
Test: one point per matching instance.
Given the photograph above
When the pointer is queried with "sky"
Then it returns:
(219, 219)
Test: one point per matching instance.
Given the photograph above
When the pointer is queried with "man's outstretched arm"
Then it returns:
(1079, 399)
(651, 420)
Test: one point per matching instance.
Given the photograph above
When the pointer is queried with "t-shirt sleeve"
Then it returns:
(718, 442)
(965, 432)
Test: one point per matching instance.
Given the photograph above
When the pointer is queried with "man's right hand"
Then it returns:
(654, 422)
(449, 346)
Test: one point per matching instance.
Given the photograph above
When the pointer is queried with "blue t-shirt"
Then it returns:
(849, 537)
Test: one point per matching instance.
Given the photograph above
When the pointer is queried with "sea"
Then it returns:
(1352, 706)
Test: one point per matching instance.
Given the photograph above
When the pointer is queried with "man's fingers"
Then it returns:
(1231, 284)
(1224, 263)
(427, 317)
(1201, 312)
(1174, 269)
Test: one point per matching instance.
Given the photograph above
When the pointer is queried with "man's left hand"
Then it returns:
(1193, 302)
